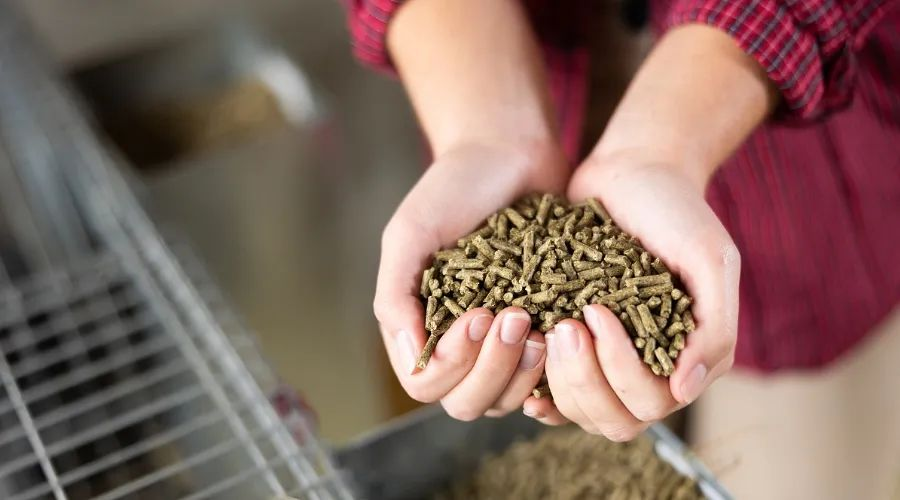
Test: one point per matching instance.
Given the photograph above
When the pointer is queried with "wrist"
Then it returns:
(527, 157)
(688, 115)
(613, 160)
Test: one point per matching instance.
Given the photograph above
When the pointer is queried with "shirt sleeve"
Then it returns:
(368, 22)
(807, 47)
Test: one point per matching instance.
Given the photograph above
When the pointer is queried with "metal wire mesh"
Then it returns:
(122, 372)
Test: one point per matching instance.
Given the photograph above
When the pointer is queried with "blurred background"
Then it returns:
(277, 157)
(258, 139)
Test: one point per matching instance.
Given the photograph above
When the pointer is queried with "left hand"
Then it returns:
(596, 376)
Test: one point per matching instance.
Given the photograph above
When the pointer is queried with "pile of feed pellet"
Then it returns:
(567, 464)
(552, 258)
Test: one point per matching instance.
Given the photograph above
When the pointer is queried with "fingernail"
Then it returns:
(533, 414)
(407, 350)
(592, 320)
(532, 355)
(568, 338)
(693, 384)
(552, 350)
(514, 328)
(478, 327)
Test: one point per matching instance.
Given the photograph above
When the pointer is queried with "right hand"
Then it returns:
(483, 365)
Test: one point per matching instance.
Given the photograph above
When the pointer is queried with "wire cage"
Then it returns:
(123, 374)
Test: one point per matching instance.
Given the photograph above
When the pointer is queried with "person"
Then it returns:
(769, 127)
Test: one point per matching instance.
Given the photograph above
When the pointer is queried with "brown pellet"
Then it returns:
(590, 252)
(430, 307)
(683, 303)
(543, 297)
(630, 301)
(618, 295)
(592, 274)
(664, 361)
(465, 264)
(454, 308)
(541, 391)
(483, 247)
(552, 259)
(636, 321)
(688, 319)
(674, 328)
(654, 279)
(505, 247)
(430, 344)
(553, 278)
(570, 286)
(569, 269)
(665, 309)
(649, 347)
(650, 291)
(584, 265)
(503, 272)
(426, 279)
(438, 316)
(515, 217)
(647, 319)
(599, 210)
(658, 266)
(678, 341)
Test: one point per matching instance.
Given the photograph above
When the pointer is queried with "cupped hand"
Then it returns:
(483, 364)
(596, 376)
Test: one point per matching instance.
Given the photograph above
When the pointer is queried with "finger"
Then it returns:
(563, 395)
(526, 377)
(544, 411)
(709, 351)
(452, 359)
(576, 360)
(496, 363)
(645, 395)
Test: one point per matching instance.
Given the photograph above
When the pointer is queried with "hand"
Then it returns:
(596, 376)
(482, 364)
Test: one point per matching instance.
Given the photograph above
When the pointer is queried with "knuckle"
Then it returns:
(380, 308)
(621, 434)
(460, 411)
(456, 359)
(578, 380)
(590, 429)
(395, 228)
(728, 362)
(651, 412)
(497, 412)
(419, 393)
(723, 346)
(730, 255)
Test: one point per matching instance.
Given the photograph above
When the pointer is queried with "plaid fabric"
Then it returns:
(807, 47)
(815, 209)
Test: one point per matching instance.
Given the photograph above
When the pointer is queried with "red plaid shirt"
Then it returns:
(813, 197)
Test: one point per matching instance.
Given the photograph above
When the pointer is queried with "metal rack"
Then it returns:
(122, 372)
